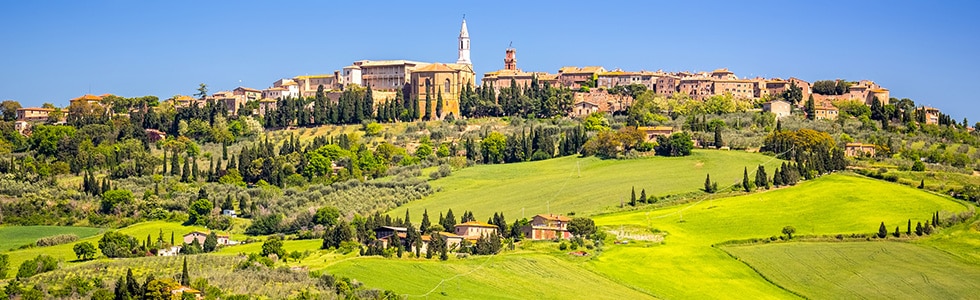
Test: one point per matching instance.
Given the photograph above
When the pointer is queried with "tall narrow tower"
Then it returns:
(464, 45)
(510, 60)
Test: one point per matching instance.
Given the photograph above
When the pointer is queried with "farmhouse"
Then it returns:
(473, 230)
(169, 251)
(859, 149)
(385, 233)
(547, 227)
(180, 291)
(201, 236)
(779, 107)
(452, 241)
(651, 132)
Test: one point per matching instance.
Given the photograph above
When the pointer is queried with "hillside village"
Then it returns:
(594, 88)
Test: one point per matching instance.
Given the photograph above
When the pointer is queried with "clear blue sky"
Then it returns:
(56, 50)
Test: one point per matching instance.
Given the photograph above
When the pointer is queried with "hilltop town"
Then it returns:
(593, 88)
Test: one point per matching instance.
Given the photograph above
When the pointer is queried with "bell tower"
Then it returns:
(510, 59)
(464, 45)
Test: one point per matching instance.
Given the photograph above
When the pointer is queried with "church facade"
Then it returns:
(448, 80)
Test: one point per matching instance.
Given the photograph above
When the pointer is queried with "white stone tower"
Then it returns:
(464, 45)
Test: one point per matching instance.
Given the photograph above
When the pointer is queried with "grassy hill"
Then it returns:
(65, 253)
(505, 276)
(16, 236)
(687, 266)
(863, 269)
(584, 186)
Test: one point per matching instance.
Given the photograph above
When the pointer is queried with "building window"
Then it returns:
(447, 88)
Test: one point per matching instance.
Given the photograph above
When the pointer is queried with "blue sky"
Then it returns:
(56, 50)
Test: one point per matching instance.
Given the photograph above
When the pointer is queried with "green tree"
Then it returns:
(789, 231)
(746, 184)
(710, 187)
(185, 277)
(643, 196)
(718, 141)
(633, 196)
(882, 231)
(211, 242)
(326, 216)
(228, 204)
(678, 144)
(202, 91)
(114, 244)
(582, 227)
(439, 104)
(9, 108)
(428, 101)
(494, 146)
(761, 178)
(424, 226)
(199, 211)
(4, 265)
(160, 289)
(273, 245)
(84, 251)
(918, 166)
(111, 200)
(811, 109)
(185, 174)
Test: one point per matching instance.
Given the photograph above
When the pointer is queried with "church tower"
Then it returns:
(510, 60)
(464, 46)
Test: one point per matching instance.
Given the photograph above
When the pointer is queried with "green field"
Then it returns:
(862, 269)
(65, 253)
(13, 237)
(581, 185)
(687, 266)
(505, 276)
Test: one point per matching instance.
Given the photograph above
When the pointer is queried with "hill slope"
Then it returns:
(582, 185)
(863, 269)
(686, 266)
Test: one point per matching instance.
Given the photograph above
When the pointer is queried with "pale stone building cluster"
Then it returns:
(419, 79)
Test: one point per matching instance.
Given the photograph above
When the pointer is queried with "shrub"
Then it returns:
(40, 264)
(56, 240)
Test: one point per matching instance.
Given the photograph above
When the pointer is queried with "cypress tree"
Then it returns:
(224, 150)
(897, 233)
(761, 179)
(908, 231)
(450, 221)
(707, 184)
(922, 184)
(882, 231)
(121, 292)
(195, 171)
(133, 286)
(185, 174)
(164, 163)
(746, 185)
(718, 142)
(643, 196)
(424, 227)
(185, 277)
(174, 163)
(633, 197)
(918, 228)
(439, 104)
(428, 101)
